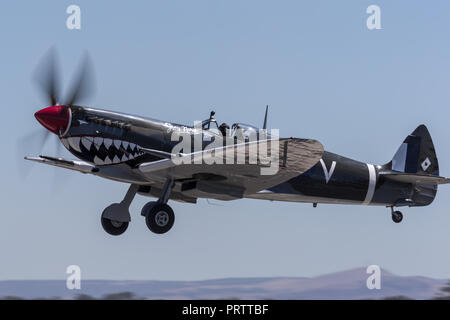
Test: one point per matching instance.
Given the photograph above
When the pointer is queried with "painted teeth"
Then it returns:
(128, 150)
(65, 142)
(98, 142)
(107, 143)
(74, 142)
(86, 143)
(98, 161)
(117, 144)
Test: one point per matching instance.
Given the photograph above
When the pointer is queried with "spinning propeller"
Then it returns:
(56, 116)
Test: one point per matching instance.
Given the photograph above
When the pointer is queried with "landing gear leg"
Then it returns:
(397, 216)
(159, 216)
(116, 217)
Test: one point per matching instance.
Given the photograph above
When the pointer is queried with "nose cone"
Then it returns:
(55, 118)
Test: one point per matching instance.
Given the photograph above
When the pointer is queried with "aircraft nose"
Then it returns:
(55, 118)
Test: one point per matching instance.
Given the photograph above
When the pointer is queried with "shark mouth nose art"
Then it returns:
(103, 151)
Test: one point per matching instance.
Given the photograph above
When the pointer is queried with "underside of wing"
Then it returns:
(228, 181)
(76, 165)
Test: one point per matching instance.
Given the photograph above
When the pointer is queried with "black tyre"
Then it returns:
(114, 228)
(146, 208)
(397, 216)
(160, 218)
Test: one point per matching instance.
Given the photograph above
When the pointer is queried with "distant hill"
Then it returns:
(350, 284)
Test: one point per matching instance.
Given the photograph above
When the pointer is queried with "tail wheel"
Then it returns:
(397, 216)
(160, 218)
(113, 227)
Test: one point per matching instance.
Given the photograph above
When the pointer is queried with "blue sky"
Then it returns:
(324, 75)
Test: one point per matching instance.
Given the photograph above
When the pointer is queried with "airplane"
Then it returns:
(139, 151)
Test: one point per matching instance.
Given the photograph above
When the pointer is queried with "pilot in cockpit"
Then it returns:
(206, 125)
(223, 128)
(240, 131)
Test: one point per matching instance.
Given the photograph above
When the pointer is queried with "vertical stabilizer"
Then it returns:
(416, 154)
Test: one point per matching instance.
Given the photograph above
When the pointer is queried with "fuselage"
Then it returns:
(112, 141)
(337, 179)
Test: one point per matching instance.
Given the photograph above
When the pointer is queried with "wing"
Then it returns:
(232, 181)
(80, 166)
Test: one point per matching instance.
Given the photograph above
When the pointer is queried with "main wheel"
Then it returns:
(146, 208)
(397, 216)
(160, 218)
(113, 227)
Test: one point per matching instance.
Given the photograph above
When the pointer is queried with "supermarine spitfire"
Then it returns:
(139, 151)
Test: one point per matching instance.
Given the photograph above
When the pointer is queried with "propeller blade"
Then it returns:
(58, 147)
(47, 77)
(60, 176)
(84, 84)
(32, 143)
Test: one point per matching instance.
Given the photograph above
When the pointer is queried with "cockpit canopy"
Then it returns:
(238, 129)
(244, 126)
(206, 124)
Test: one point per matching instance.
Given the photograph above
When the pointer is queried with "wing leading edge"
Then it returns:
(80, 166)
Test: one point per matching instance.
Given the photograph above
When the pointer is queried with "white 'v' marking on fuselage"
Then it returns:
(327, 173)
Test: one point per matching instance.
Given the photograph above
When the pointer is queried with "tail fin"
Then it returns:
(416, 154)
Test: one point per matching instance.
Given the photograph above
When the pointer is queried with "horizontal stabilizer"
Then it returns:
(76, 165)
(414, 178)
